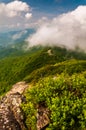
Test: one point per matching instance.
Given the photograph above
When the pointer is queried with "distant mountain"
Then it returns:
(12, 37)
(12, 43)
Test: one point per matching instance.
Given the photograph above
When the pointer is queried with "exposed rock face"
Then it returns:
(42, 118)
(11, 116)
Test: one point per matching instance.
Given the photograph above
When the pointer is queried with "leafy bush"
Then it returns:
(68, 67)
(64, 96)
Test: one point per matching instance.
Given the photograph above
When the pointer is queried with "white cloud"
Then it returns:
(67, 30)
(28, 15)
(13, 13)
(17, 6)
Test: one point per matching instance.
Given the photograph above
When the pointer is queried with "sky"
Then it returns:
(56, 22)
(52, 7)
(55, 6)
(37, 10)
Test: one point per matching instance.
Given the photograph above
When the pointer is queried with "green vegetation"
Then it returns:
(59, 78)
(65, 98)
(37, 63)
(68, 67)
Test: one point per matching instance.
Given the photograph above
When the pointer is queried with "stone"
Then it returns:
(42, 117)
(11, 116)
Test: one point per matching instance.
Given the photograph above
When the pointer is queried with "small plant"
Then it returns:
(64, 96)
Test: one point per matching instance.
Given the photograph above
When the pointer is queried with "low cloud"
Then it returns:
(14, 14)
(67, 30)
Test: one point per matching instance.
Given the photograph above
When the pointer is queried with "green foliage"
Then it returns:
(64, 96)
(68, 67)
(30, 113)
(36, 63)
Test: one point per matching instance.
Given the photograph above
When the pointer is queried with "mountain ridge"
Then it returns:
(17, 68)
(45, 73)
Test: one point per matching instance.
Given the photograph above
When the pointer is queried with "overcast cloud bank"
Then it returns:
(67, 30)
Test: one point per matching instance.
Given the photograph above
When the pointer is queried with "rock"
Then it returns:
(11, 116)
(42, 118)
(50, 52)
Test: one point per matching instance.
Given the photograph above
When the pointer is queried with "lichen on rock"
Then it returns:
(11, 115)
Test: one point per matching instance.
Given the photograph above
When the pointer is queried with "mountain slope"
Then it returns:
(57, 103)
(17, 68)
(56, 98)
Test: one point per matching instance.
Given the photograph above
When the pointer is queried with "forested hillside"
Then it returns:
(39, 62)
(58, 80)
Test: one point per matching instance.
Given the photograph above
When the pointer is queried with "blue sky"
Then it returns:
(43, 15)
(53, 7)
(36, 10)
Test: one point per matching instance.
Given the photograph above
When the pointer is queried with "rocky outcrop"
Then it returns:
(42, 118)
(11, 116)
